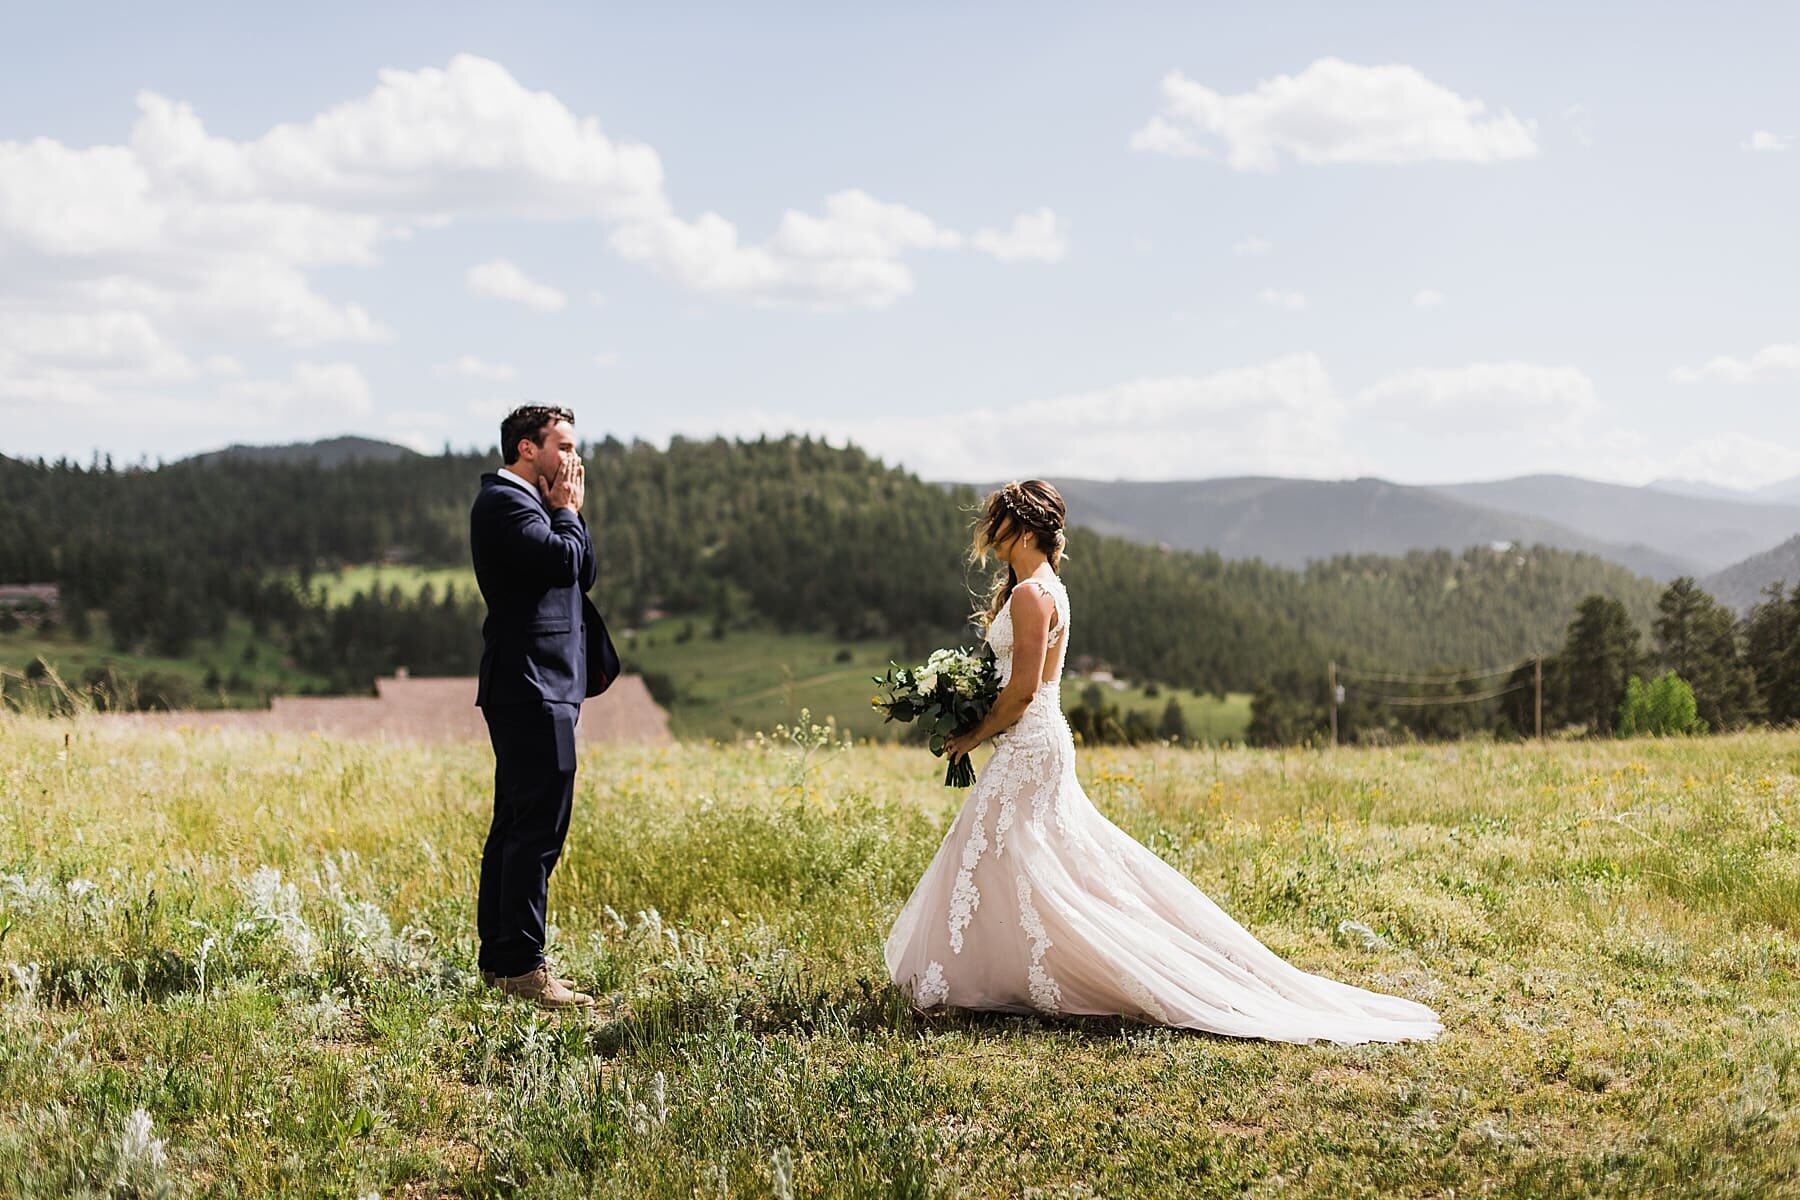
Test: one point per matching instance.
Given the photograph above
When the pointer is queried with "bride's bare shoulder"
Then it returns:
(1031, 601)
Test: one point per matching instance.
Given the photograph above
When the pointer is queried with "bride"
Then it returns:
(1036, 902)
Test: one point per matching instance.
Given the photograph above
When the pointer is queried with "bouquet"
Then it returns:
(951, 692)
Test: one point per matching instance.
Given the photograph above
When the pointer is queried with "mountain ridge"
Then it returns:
(1290, 522)
(1735, 542)
(1740, 586)
(326, 452)
(1710, 533)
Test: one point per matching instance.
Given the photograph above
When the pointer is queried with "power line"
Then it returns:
(1338, 693)
(1460, 677)
(1416, 701)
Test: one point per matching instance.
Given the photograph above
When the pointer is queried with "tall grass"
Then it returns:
(240, 965)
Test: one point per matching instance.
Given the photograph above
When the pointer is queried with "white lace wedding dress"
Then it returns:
(1037, 903)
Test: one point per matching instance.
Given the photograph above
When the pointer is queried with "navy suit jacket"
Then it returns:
(543, 638)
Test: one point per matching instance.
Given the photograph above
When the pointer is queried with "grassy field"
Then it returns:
(1210, 719)
(339, 586)
(240, 967)
(751, 679)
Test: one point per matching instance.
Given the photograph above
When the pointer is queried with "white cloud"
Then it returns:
(1164, 137)
(607, 359)
(1279, 417)
(852, 256)
(1483, 399)
(501, 279)
(1333, 112)
(425, 430)
(181, 236)
(1033, 237)
(322, 395)
(465, 140)
(1765, 142)
(1428, 298)
(1252, 247)
(102, 340)
(105, 227)
(1734, 460)
(1779, 361)
(1286, 417)
(1276, 298)
(470, 367)
(493, 410)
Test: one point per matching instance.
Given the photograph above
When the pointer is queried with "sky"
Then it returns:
(1147, 241)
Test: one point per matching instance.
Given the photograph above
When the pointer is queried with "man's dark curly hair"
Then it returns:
(529, 421)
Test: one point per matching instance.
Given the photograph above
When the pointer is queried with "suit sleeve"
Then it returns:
(549, 549)
(590, 569)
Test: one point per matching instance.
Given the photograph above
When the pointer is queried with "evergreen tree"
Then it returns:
(1173, 726)
(1697, 639)
(1784, 689)
(1287, 711)
(1770, 632)
(1598, 658)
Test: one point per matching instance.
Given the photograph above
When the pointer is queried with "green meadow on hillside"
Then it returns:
(339, 585)
(237, 965)
(236, 670)
(727, 686)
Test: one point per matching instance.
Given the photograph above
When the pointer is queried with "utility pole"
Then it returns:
(1538, 674)
(1332, 686)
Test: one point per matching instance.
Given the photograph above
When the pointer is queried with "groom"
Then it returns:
(545, 650)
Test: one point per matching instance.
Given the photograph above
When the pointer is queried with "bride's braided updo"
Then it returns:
(1031, 508)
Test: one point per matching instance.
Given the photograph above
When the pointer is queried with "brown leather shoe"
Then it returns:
(539, 987)
(492, 980)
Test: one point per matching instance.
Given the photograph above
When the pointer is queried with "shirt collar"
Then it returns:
(508, 475)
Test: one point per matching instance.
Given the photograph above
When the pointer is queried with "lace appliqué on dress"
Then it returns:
(933, 989)
(965, 897)
(1141, 996)
(1046, 995)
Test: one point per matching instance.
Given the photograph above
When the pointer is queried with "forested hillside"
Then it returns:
(789, 533)
(1743, 584)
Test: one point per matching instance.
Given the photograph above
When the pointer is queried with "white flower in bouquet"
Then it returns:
(912, 695)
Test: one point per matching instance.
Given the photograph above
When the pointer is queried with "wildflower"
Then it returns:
(25, 980)
(1358, 933)
(139, 1157)
(783, 1163)
(274, 903)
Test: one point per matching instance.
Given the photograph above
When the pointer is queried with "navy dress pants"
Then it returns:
(534, 787)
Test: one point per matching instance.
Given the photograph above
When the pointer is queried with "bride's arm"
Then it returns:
(1032, 611)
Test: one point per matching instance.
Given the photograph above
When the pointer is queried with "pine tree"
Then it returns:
(1173, 727)
(1772, 628)
(1697, 640)
(1597, 661)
